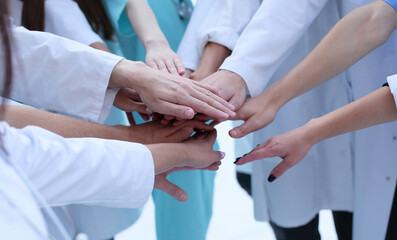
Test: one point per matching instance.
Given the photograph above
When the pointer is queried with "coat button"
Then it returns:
(387, 178)
(82, 236)
(394, 137)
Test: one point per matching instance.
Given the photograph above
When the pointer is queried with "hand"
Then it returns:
(200, 152)
(128, 100)
(161, 182)
(155, 132)
(291, 146)
(172, 95)
(231, 84)
(257, 113)
(196, 152)
(160, 56)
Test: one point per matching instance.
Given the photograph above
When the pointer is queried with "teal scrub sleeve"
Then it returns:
(118, 17)
(392, 3)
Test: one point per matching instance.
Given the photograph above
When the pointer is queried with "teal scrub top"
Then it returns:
(127, 43)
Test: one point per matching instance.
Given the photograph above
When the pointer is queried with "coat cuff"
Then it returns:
(392, 81)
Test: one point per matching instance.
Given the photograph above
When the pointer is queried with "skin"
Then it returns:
(352, 38)
(202, 98)
(173, 95)
(168, 154)
(376, 108)
(159, 55)
(213, 56)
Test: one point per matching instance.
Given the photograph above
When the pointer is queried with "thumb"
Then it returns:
(247, 127)
(172, 190)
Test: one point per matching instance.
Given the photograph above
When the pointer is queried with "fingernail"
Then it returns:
(233, 133)
(223, 154)
(271, 178)
(188, 114)
(237, 159)
(182, 197)
(232, 114)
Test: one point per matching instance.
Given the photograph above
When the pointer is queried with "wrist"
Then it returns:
(275, 96)
(154, 43)
(127, 74)
(313, 132)
(167, 156)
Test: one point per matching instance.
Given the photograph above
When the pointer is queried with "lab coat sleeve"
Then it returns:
(269, 38)
(64, 18)
(118, 16)
(225, 22)
(392, 81)
(81, 170)
(219, 21)
(188, 49)
(57, 74)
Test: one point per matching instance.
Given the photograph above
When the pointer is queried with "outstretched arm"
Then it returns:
(376, 108)
(357, 34)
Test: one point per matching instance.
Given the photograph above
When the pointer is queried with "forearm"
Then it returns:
(145, 23)
(376, 108)
(66, 127)
(213, 56)
(352, 38)
(167, 156)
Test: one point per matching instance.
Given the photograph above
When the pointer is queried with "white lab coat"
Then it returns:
(220, 22)
(374, 160)
(324, 180)
(64, 18)
(270, 45)
(57, 74)
(85, 170)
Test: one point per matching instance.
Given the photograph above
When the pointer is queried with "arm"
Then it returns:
(97, 171)
(147, 133)
(376, 108)
(357, 34)
(159, 55)
(219, 22)
(213, 56)
(279, 25)
(72, 62)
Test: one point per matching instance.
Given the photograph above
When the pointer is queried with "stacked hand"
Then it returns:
(154, 132)
(169, 94)
(161, 57)
(198, 155)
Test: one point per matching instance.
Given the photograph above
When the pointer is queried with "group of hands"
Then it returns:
(181, 102)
